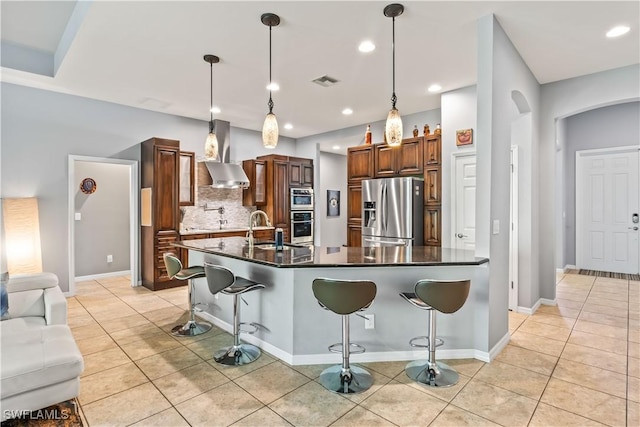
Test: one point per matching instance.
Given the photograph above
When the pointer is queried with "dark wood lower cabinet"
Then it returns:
(432, 226)
(354, 235)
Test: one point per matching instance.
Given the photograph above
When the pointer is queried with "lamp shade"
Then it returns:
(22, 235)
(211, 147)
(393, 128)
(270, 131)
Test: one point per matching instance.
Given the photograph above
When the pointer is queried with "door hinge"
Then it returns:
(512, 284)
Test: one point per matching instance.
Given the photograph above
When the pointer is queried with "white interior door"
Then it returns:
(607, 195)
(513, 232)
(464, 203)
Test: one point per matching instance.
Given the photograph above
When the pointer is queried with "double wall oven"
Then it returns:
(302, 215)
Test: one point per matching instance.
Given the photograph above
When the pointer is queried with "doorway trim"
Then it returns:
(454, 157)
(133, 214)
(513, 231)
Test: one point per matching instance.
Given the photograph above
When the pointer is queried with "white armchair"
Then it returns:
(41, 363)
(36, 299)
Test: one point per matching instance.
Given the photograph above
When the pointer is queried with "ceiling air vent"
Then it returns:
(325, 81)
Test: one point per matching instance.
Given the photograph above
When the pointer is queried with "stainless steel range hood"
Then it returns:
(223, 173)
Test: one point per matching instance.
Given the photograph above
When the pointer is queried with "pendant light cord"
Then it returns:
(211, 102)
(270, 103)
(393, 50)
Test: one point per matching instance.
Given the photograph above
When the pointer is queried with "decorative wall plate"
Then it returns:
(88, 186)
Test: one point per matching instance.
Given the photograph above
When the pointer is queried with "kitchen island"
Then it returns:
(297, 330)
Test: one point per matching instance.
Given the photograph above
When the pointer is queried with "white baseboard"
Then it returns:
(331, 358)
(570, 267)
(546, 301)
(496, 348)
(102, 275)
(527, 310)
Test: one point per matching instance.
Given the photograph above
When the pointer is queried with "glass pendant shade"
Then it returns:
(270, 131)
(393, 128)
(211, 147)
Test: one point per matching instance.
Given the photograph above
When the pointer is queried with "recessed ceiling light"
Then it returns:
(288, 126)
(273, 86)
(347, 111)
(366, 46)
(618, 31)
(215, 110)
(336, 147)
(435, 88)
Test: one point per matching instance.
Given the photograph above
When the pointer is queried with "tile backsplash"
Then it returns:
(211, 198)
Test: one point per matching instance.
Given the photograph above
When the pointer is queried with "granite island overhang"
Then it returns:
(297, 330)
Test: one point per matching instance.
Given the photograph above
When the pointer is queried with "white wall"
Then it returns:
(501, 71)
(459, 111)
(559, 100)
(334, 177)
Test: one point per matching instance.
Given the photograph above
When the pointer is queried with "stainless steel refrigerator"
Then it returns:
(392, 212)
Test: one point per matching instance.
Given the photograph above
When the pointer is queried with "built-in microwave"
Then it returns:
(302, 199)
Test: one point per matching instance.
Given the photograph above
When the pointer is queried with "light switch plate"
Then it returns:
(78, 216)
(496, 226)
(369, 321)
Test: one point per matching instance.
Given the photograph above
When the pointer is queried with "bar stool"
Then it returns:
(445, 296)
(221, 279)
(345, 297)
(175, 270)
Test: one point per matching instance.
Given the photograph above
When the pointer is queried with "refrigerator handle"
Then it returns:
(384, 206)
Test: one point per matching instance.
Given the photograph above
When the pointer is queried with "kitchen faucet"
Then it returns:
(251, 217)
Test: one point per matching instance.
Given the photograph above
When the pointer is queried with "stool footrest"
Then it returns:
(337, 348)
(255, 327)
(413, 343)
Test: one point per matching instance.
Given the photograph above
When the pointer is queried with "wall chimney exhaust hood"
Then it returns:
(222, 173)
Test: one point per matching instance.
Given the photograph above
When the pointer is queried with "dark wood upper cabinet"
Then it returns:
(187, 193)
(300, 172)
(432, 185)
(354, 203)
(360, 161)
(432, 150)
(403, 160)
(256, 194)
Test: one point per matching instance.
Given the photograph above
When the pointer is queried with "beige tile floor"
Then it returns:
(574, 364)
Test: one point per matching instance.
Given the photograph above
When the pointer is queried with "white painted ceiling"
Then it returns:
(148, 54)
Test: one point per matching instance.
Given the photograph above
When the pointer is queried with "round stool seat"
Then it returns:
(190, 273)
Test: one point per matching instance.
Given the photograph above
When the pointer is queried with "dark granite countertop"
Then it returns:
(328, 256)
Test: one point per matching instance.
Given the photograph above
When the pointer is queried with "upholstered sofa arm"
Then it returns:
(55, 306)
(29, 282)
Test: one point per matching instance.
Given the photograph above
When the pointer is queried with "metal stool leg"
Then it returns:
(432, 372)
(238, 354)
(344, 378)
(191, 328)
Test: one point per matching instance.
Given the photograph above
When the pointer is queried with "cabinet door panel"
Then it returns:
(432, 227)
(166, 165)
(354, 235)
(360, 163)
(280, 194)
(385, 161)
(295, 175)
(307, 175)
(354, 203)
(409, 157)
(187, 176)
(432, 150)
(432, 185)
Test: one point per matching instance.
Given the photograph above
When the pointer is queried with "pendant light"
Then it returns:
(211, 144)
(270, 126)
(393, 127)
